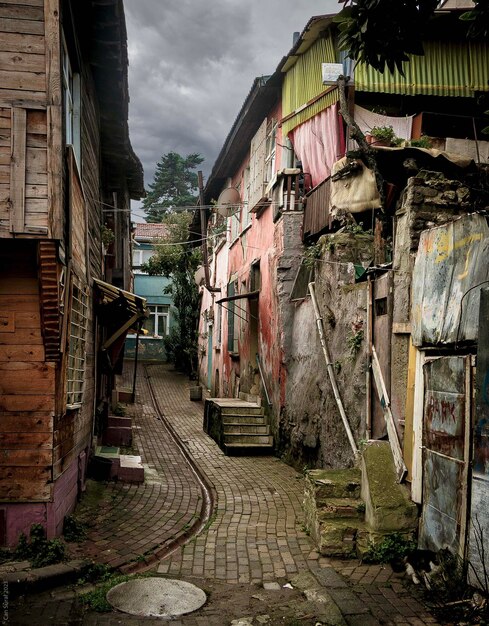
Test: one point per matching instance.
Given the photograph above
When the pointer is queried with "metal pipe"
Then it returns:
(263, 380)
(136, 352)
(329, 366)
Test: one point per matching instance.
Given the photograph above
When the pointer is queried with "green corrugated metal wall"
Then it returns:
(304, 81)
(446, 69)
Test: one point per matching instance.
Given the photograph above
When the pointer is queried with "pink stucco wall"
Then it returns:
(261, 241)
(20, 517)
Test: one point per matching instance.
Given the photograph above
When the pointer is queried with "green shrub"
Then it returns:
(394, 547)
(39, 550)
(73, 529)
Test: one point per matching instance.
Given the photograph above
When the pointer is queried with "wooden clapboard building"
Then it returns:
(67, 173)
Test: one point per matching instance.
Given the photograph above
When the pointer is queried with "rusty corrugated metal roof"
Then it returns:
(150, 231)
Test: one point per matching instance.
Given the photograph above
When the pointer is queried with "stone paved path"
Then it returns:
(255, 537)
(257, 531)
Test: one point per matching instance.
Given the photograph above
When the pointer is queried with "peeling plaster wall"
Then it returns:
(311, 430)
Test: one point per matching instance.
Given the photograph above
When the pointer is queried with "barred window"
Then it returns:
(77, 351)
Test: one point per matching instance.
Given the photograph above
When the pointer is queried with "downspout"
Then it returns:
(329, 366)
(203, 228)
(136, 352)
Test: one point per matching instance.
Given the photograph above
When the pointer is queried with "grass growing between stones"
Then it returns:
(96, 600)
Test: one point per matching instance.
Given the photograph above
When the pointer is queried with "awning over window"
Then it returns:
(117, 311)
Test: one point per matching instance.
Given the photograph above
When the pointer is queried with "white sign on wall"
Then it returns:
(331, 72)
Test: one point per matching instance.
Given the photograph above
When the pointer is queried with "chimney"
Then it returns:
(295, 37)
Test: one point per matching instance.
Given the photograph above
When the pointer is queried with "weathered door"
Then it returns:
(446, 432)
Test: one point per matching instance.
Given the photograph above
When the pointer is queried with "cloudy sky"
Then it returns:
(192, 64)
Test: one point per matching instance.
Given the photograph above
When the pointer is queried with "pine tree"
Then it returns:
(174, 185)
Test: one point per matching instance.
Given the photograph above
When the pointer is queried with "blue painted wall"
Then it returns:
(152, 288)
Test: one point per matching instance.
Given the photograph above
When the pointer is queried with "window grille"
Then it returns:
(77, 350)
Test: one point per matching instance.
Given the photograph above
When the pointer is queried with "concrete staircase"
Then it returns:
(238, 426)
(348, 510)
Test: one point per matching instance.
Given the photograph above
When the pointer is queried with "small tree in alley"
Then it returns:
(175, 259)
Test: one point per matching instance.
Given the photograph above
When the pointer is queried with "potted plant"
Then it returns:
(382, 136)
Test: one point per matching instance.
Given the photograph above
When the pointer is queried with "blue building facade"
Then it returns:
(161, 311)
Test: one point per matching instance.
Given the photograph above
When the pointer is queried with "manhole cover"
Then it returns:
(156, 597)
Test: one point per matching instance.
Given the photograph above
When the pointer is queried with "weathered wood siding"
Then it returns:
(26, 380)
(30, 118)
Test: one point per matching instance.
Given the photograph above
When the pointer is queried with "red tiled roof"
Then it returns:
(150, 231)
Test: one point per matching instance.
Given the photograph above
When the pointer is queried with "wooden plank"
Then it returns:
(24, 303)
(26, 12)
(27, 402)
(54, 170)
(36, 178)
(23, 81)
(21, 43)
(36, 122)
(5, 174)
(26, 458)
(5, 140)
(27, 490)
(26, 378)
(32, 421)
(29, 3)
(36, 191)
(5, 156)
(21, 353)
(29, 27)
(17, 170)
(22, 62)
(53, 53)
(36, 160)
(27, 320)
(23, 336)
(26, 441)
(36, 141)
(391, 427)
(19, 286)
(36, 205)
(26, 99)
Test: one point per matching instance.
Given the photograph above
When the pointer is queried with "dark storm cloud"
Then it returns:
(192, 63)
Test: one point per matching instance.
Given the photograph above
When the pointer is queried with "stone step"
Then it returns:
(246, 428)
(131, 469)
(244, 449)
(248, 438)
(325, 484)
(341, 508)
(242, 418)
(338, 537)
(249, 409)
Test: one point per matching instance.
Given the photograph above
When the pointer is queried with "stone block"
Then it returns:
(326, 484)
(116, 420)
(118, 436)
(388, 506)
(131, 469)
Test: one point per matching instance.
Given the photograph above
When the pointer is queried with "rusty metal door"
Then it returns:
(446, 432)
(382, 329)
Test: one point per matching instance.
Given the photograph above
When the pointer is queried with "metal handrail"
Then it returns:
(263, 380)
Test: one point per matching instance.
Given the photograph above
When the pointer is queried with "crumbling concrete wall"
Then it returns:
(311, 431)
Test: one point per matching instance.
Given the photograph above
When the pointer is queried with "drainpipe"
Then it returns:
(329, 366)
(203, 228)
